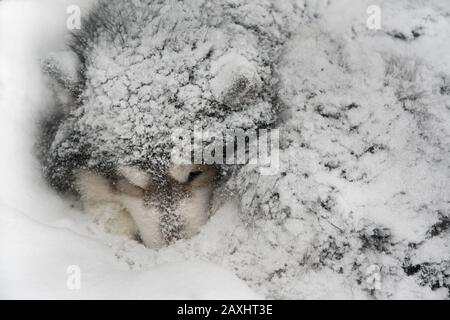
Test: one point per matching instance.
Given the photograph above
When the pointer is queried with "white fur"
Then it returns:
(180, 172)
(135, 176)
(147, 219)
(103, 205)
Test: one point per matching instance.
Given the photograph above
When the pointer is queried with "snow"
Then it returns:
(364, 172)
(41, 270)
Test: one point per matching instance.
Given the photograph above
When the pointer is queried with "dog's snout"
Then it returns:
(165, 206)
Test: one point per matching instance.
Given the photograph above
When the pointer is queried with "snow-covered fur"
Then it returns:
(359, 207)
(146, 68)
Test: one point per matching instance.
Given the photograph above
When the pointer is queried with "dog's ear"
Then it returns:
(63, 67)
(235, 81)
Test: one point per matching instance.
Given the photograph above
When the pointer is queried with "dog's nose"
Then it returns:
(184, 173)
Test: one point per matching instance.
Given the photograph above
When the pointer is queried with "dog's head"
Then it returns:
(138, 70)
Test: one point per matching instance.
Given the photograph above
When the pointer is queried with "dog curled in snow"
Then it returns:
(137, 71)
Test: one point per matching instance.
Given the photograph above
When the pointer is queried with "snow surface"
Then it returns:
(363, 184)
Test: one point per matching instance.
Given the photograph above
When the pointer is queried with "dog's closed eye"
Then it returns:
(124, 186)
(193, 175)
(132, 181)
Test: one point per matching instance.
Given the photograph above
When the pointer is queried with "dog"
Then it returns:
(134, 72)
